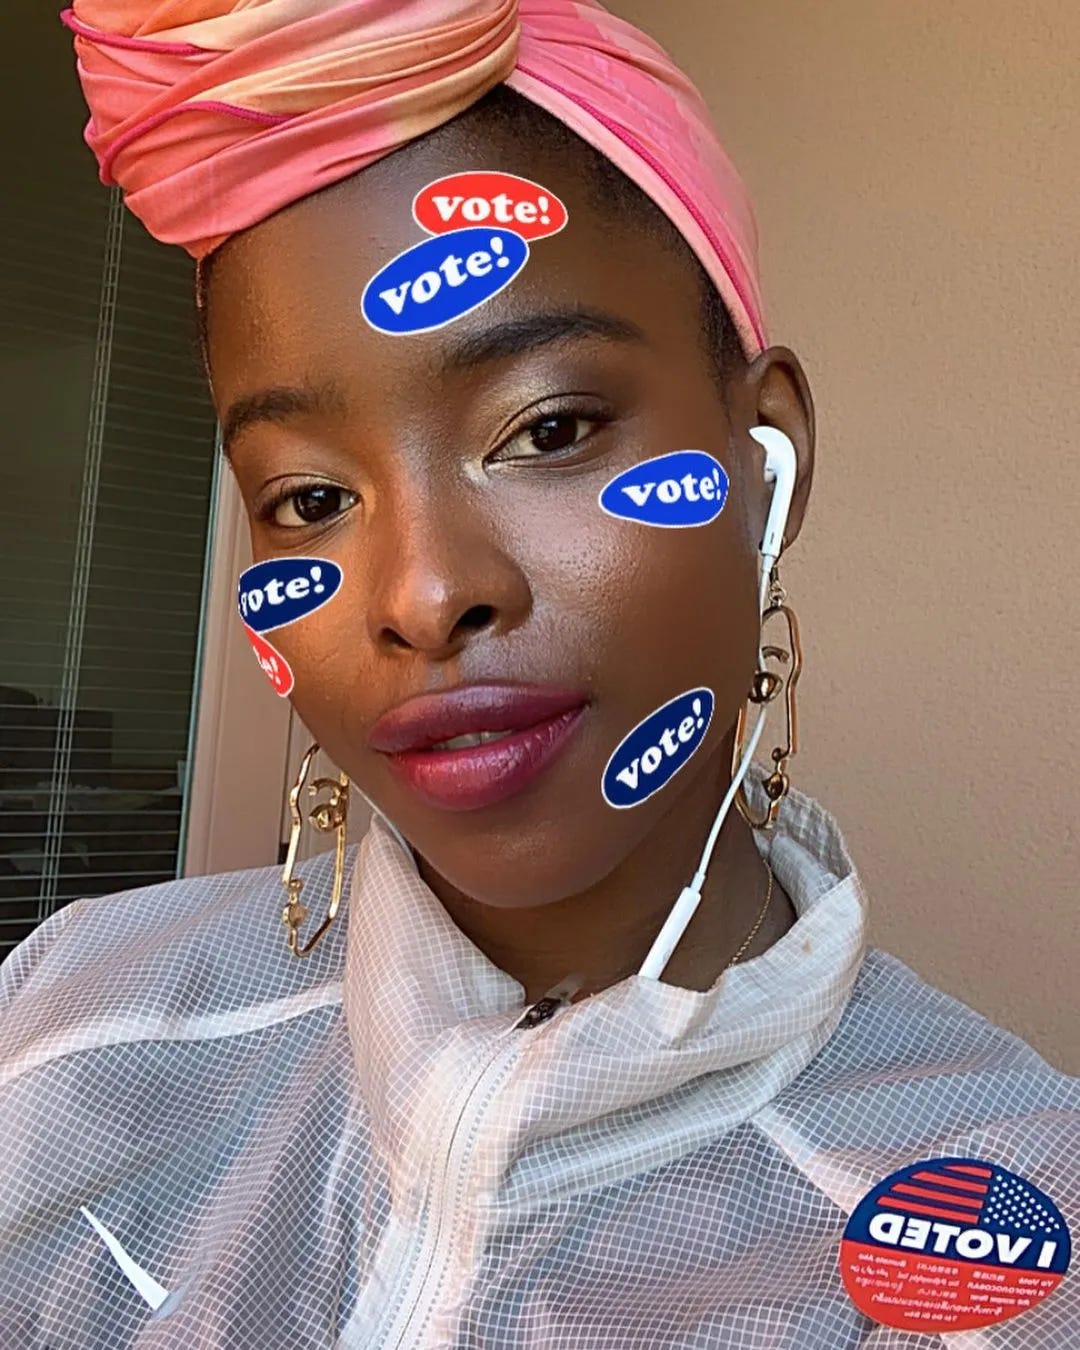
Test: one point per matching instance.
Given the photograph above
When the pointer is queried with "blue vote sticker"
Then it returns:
(952, 1244)
(442, 278)
(657, 748)
(674, 491)
(282, 590)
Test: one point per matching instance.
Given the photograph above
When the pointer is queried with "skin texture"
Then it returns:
(471, 555)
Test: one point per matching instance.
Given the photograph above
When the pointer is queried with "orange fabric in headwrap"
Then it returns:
(214, 114)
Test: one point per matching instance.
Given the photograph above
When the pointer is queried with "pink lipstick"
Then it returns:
(479, 744)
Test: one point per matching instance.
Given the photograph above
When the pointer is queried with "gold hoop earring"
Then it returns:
(327, 816)
(766, 687)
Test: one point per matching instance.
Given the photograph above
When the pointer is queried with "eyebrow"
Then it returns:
(278, 405)
(510, 338)
(514, 336)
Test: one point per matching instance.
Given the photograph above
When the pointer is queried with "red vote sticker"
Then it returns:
(278, 670)
(951, 1244)
(502, 200)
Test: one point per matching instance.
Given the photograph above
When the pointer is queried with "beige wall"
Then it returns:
(915, 171)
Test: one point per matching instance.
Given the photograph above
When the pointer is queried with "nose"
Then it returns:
(443, 579)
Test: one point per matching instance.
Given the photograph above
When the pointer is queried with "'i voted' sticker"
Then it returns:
(951, 1244)
(485, 198)
(277, 669)
(673, 491)
(282, 590)
(441, 278)
(657, 748)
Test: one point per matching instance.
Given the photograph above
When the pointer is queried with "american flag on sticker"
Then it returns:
(967, 1209)
(952, 1244)
(971, 1194)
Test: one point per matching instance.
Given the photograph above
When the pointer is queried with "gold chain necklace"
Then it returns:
(760, 918)
(565, 991)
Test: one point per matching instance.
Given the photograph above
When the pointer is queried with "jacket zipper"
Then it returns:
(437, 1245)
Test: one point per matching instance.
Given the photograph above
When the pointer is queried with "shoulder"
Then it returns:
(74, 937)
(148, 1041)
(157, 956)
(913, 1074)
(911, 1021)
(916, 1061)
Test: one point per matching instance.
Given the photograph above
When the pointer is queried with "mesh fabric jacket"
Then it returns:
(359, 1149)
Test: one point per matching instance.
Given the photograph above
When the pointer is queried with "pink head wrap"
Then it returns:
(213, 114)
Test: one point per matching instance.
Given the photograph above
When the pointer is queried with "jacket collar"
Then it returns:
(424, 1005)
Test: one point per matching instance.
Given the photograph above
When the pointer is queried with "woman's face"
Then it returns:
(453, 475)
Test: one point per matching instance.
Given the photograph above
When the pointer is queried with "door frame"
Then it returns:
(241, 741)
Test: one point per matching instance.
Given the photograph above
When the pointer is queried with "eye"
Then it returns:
(551, 435)
(294, 508)
(556, 432)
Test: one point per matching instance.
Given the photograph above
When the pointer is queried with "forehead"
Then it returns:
(286, 295)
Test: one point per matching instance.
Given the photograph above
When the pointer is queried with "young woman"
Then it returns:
(505, 1100)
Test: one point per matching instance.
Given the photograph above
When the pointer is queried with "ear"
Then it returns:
(773, 390)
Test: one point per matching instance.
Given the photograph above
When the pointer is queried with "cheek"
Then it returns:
(648, 612)
(637, 613)
(325, 655)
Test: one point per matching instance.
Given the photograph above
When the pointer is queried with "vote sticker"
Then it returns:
(673, 491)
(442, 278)
(653, 753)
(276, 668)
(952, 1244)
(279, 591)
(486, 198)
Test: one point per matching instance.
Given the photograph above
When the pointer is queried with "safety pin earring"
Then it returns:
(766, 687)
(327, 816)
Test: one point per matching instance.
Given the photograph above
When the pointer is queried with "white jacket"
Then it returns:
(361, 1149)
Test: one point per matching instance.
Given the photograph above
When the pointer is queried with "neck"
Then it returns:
(604, 933)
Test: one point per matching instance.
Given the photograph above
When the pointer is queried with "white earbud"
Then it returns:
(780, 469)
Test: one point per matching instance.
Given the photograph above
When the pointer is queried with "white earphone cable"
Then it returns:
(690, 896)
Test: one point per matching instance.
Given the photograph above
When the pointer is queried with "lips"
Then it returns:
(422, 722)
(511, 732)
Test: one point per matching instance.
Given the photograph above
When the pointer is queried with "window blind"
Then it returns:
(105, 489)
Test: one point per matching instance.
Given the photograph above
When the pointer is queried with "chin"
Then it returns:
(537, 866)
